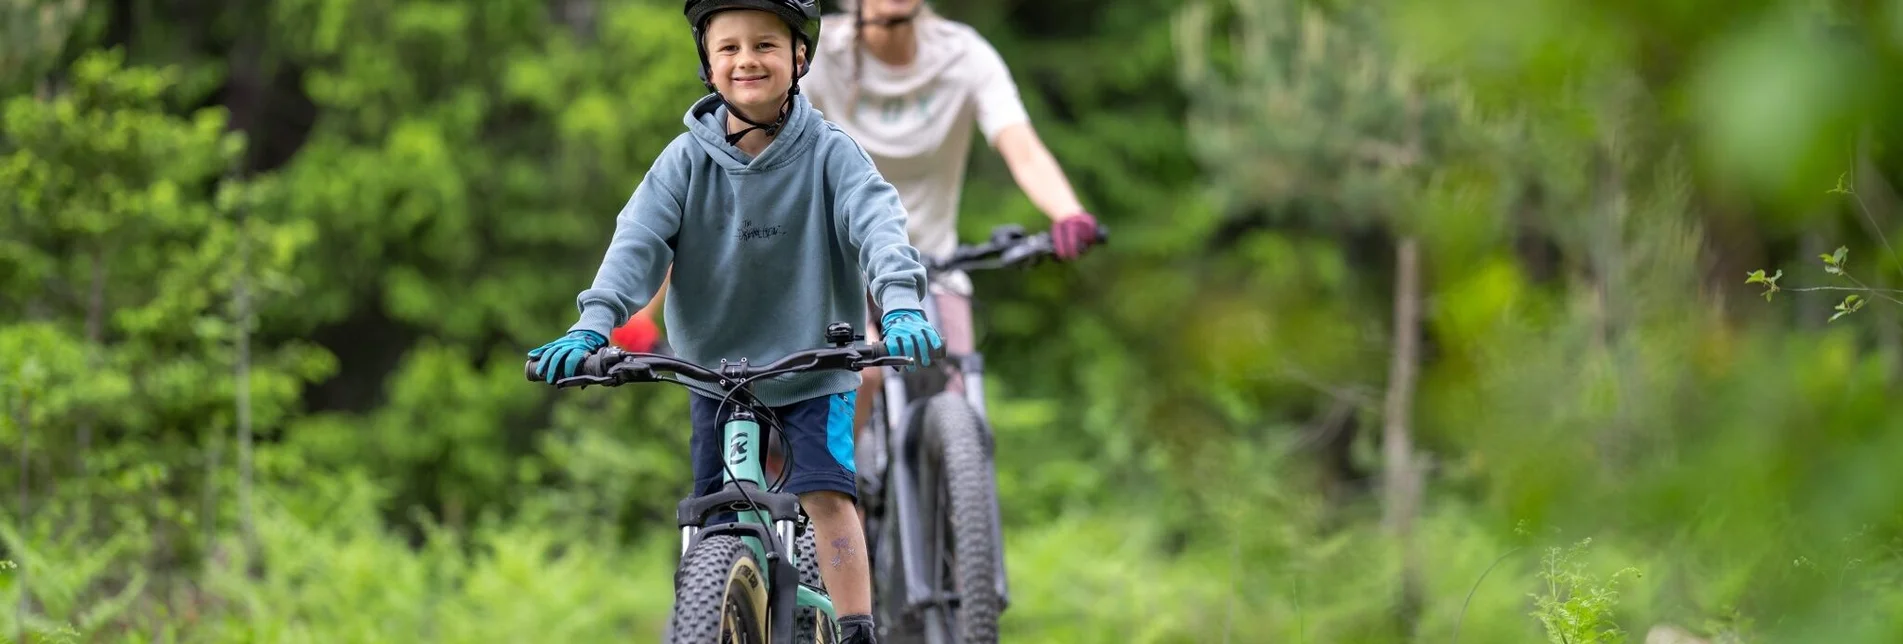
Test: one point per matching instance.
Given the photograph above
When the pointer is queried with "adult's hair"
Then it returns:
(851, 7)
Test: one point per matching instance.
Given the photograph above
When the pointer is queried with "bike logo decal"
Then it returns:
(749, 577)
(737, 450)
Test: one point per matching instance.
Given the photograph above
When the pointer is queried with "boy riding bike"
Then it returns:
(765, 213)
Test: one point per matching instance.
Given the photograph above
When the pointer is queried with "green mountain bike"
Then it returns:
(745, 581)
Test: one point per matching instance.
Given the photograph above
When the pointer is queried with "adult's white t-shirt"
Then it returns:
(916, 121)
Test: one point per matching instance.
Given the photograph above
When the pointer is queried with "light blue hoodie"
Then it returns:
(766, 252)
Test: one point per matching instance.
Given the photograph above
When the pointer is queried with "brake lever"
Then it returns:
(883, 361)
(631, 369)
(583, 381)
(1024, 255)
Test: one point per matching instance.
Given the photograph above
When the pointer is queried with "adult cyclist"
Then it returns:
(910, 86)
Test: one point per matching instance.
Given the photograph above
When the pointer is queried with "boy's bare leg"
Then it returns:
(842, 551)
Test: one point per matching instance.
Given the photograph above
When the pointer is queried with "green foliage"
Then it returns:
(1184, 420)
(1577, 606)
(1770, 283)
(32, 33)
(1835, 263)
(334, 575)
(71, 580)
(120, 241)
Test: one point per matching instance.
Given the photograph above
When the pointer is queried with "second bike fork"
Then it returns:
(902, 474)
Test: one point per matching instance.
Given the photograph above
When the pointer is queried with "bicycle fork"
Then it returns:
(741, 450)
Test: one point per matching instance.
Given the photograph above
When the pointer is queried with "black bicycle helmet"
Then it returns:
(801, 16)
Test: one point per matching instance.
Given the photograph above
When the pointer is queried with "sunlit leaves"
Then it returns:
(1770, 283)
(1834, 262)
(1851, 304)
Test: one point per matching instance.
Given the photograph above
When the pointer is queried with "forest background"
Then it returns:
(1430, 320)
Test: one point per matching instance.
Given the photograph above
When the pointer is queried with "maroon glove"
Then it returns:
(1073, 234)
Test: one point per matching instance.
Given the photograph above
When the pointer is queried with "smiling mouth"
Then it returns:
(749, 79)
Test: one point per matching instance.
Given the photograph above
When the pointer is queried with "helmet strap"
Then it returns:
(771, 129)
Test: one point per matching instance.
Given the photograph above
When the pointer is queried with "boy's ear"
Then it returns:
(799, 57)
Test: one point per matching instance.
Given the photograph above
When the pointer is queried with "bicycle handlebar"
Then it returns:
(610, 366)
(1009, 246)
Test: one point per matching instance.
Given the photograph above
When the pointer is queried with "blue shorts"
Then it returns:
(820, 430)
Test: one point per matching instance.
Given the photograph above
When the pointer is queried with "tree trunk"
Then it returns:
(1876, 200)
(579, 16)
(1403, 476)
(251, 76)
(243, 297)
(1807, 306)
(95, 336)
(26, 568)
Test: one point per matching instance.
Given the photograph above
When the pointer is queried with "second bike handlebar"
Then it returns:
(1009, 246)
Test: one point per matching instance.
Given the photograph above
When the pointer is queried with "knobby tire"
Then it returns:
(720, 595)
(955, 446)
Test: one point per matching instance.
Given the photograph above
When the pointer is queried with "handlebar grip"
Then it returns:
(596, 364)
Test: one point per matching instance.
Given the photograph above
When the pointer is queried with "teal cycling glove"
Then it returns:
(564, 355)
(908, 334)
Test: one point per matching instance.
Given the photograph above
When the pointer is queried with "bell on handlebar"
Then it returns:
(839, 334)
(1004, 233)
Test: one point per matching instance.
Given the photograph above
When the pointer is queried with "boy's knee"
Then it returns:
(826, 506)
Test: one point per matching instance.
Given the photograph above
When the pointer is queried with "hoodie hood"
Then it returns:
(707, 121)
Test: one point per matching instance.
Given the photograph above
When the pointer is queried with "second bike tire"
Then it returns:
(955, 446)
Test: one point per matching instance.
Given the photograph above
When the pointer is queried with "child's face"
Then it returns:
(750, 55)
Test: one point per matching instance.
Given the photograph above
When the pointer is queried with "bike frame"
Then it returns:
(743, 485)
(763, 516)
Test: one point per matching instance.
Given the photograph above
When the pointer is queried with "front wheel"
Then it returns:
(959, 489)
(719, 595)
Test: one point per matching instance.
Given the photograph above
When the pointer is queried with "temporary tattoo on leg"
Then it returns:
(841, 547)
